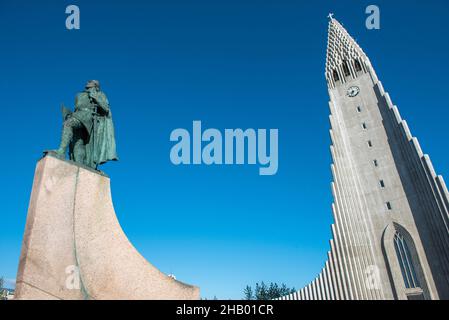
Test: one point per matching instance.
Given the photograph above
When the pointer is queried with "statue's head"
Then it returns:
(93, 84)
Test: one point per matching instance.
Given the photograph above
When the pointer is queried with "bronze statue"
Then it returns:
(89, 130)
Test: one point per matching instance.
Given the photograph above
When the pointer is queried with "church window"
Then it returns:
(405, 261)
(336, 77)
(389, 207)
(358, 67)
(346, 69)
(382, 184)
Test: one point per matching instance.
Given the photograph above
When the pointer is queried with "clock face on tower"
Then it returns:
(353, 91)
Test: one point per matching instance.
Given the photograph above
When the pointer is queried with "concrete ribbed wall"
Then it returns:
(361, 263)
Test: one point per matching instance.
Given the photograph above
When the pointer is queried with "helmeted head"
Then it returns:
(93, 84)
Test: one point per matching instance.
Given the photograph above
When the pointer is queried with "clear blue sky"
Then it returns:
(230, 64)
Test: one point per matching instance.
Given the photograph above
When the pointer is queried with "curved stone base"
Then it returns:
(72, 230)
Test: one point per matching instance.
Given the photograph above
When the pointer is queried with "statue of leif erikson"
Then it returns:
(88, 132)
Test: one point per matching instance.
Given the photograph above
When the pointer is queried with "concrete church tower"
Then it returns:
(391, 229)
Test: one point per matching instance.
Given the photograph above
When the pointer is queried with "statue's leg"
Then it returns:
(79, 151)
(67, 134)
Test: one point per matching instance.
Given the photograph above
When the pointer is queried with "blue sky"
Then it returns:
(231, 64)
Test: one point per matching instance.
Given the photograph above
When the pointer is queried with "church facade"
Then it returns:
(390, 237)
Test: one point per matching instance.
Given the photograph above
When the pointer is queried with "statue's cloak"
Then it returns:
(101, 145)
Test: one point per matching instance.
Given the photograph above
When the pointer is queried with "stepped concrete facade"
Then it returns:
(74, 247)
(391, 222)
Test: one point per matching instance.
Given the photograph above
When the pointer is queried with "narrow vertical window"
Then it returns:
(359, 109)
(346, 69)
(336, 77)
(405, 262)
(370, 144)
(358, 67)
(382, 184)
(388, 205)
(376, 164)
(364, 126)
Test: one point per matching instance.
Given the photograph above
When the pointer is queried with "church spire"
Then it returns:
(345, 60)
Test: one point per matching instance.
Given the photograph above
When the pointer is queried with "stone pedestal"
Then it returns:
(74, 247)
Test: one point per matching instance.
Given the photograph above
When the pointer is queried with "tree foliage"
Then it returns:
(248, 293)
(2, 291)
(266, 292)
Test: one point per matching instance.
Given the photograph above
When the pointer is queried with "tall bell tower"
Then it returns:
(391, 222)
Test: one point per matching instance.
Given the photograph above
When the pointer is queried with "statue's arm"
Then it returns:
(102, 102)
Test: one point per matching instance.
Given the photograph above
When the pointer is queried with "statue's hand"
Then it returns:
(93, 96)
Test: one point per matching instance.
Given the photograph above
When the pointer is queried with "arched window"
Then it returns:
(405, 262)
